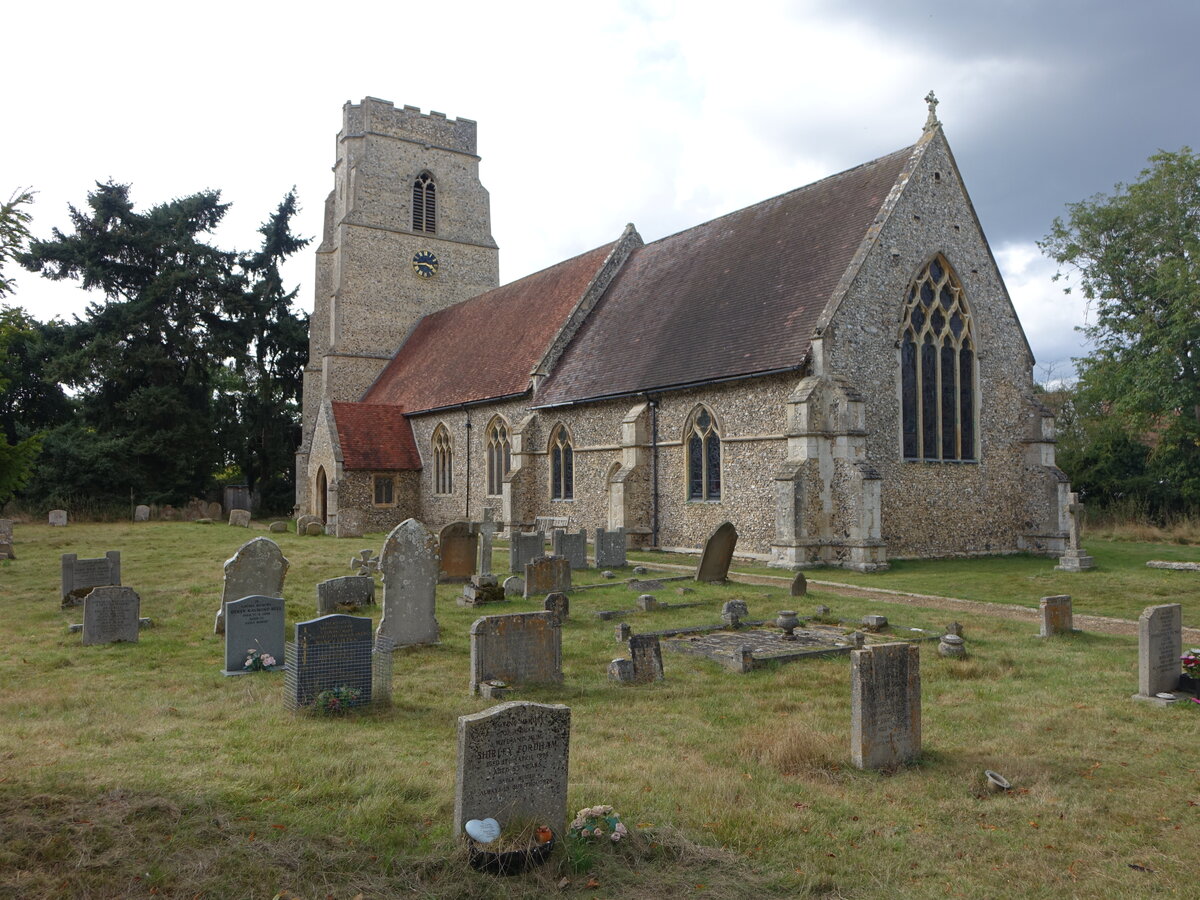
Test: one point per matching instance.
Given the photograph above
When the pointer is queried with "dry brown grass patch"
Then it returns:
(794, 748)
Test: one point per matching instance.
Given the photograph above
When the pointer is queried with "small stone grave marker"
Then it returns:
(514, 586)
(512, 765)
(520, 648)
(646, 651)
(330, 652)
(458, 545)
(718, 554)
(546, 574)
(1056, 615)
(239, 518)
(610, 548)
(253, 623)
(58, 517)
(111, 614)
(525, 547)
(348, 594)
(277, 528)
(6, 539)
(141, 513)
(79, 576)
(559, 604)
(1160, 644)
(885, 702)
(799, 585)
(572, 545)
(256, 570)
(303, 522)
(349, 522)
(409, 563)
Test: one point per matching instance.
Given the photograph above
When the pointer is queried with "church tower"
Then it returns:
(407, 232)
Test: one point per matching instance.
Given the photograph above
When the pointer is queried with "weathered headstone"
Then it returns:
(348, 594)
(572, 545)
(314, 529)
(458, 546)
(141, 513)
(558, 603)
(621, 670)
(1076, 558)
(647, 602)
(523, 548)
(718, 554)
(79, 576)
(304, 521)
(213, 510)
(349, 522)
(409, 562)
(610, 548)
(256, 570)
(111, 614)
(6, 539)
(514, 586)
(545, 575)
(512, 766)
(885, 702)
(487, 534)
(329, 653)
(521, 648)
(1160, 644)
(253, 624)
(799, 585)
(277, 528)
(646, 652)
(1056, 615)
(874, 622)
(58, 517)
(239, 518)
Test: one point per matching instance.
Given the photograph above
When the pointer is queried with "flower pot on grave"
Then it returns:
(1190, 683)
(509, 862)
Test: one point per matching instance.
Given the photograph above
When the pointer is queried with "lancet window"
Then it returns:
(562, 465)
(703, 443)
(424, 204)
(443, 461)
(499, 456)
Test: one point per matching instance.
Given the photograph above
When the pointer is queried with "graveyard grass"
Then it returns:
(138, 770)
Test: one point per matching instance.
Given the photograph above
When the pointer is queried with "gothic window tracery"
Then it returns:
(424, 204)
(499, 456)
(443, 461)
(562, 465)
(703, 442)
(937, 368)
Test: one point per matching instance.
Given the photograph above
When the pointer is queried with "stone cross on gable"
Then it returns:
(932, 121)
(487, 531)
(364, 563)
(1075, 508)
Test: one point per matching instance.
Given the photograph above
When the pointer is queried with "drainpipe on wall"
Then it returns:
(653, 470)
(467, 511)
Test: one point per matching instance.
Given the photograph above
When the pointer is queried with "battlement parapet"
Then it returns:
(375, 116)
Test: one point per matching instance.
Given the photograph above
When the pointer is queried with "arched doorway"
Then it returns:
(321, 495)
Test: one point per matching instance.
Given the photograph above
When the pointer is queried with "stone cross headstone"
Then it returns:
(885, 702)
(559, 604)
(365, 563)
(1160, 644)
(458, 545)
(718, 554)
(111, 614)
(646, 652)
(239, 518)
(409, 562)
(256, 570)
(1076, 558)
(348, 594)
(487, 534)
(512, 766)
(349, 522)
(610, 548)
(253, 623)
(58, 517)
(525, 547)
(572, 545)
(329, 653)
(521, 648)
(141, 513)
(79, 576)
(1056, 615)
(545, 575)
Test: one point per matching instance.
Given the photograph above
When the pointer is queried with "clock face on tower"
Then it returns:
(425, 263)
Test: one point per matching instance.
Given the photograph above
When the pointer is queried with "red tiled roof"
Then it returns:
(734, 296)
(485, 347)
(375, 436)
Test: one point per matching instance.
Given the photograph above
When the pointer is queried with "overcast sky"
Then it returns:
(593, 115)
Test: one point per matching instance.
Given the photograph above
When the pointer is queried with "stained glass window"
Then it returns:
(562, 465)
(499, 456)
(443, 461)
(703, 457)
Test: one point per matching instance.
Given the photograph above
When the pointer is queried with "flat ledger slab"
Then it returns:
(727, 647)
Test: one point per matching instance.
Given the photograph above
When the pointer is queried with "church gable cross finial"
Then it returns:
(932, 122)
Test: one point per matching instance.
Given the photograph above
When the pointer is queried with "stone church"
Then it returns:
(839, 370)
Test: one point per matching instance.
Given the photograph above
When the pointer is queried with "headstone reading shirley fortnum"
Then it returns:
(572, 545)
(1160, 644)
(512, 766)
(520, 648)
(79, 576)
(329, 653)
(546, 575)
(610, 548)
(110, 614)
(256, 570)
(458, 546)
(1056, 615)
(523, 548)
(348, 594)
(718, 554)
(253, 624)
(409, 563)
(885, 704)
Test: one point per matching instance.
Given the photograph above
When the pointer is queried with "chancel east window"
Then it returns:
(443, 461)
(703, 457)
(937, 368)
(424, 204)
(499, 456)
(562, 465)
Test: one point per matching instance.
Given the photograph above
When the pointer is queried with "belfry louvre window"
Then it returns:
(424, 204)
(937, 368)
(499, 456)
(443, 461)
(703, 457)
(562, 465)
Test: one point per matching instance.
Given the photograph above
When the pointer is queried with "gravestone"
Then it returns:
(512, 766)
(1076, 558)
(58, 517)
(303, 522)
(329, 653)
(885, 703)
(610, 548)
(256, 570)
(514, 586)
(349, 522)
(1160, 644)
(487, 534)
(621, 670)
(1056, 615)
(348, 594)
(520, 648)
(1177, 566)
(545, 575)
(718, 554)
(559, 604)
(79, 576)
(277, 528)
(799, 585)
(572, 545)
(111, 614)
(253, 623)
(409, 563)
(6, 539)
(314, 529)
(646, 652)
(365, 563)
(525, 547)
(141, 513)
(213, 510)
(458, 545)
(239, 518)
